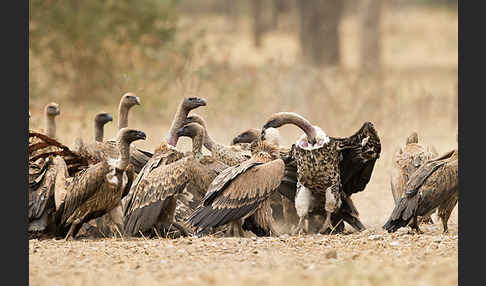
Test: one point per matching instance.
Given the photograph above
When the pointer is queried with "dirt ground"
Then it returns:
(368, 258)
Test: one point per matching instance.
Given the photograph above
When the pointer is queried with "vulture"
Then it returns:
(405, 162)
(280, 203)
(51, 111)
(155, 192)
(323, 172)
(100, 120)
(43, 168)
(318, 177)
(432, 186)
(96, 190)
(242, 192)
(195, 191)
(163, 155)
(99, 151)
(229, 155)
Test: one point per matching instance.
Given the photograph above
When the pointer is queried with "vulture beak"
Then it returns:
(141, 135)
(109, 117)
(202, 102)
(181, 132)
(137, 100)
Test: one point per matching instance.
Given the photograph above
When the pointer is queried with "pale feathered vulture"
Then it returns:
(242, 191)
(98, 189)
(432, 186)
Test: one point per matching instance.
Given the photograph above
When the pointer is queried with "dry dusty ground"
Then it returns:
(368, 258)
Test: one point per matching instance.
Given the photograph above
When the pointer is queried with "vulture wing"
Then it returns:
(237, 192)
(83, 186)
(355, 171)
(151, 192)
(43, 146)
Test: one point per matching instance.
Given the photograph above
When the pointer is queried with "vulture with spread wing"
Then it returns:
(348, 161)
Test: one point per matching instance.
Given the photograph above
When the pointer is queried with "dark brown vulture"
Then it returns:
(245, 138)
(242, 191)
(98, 189)
(405, 162)
(432, 186)
(318, 178)
(157, 188)
(355, 157)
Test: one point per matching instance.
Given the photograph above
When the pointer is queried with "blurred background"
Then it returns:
(338, 63)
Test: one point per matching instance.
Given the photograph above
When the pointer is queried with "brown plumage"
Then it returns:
(405, 162)
(318, 177)
(98, 189)
(42, 205)
(229, 155)
(194, 192)
(155, 194)
(241, 191)
(432, 186)
(280, 201)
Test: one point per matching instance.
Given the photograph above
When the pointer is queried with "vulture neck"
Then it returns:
(123, 115)
(50, 123)
(99, 131)
(177, 123)
(124, 158)
(302, 123)
(209, 143)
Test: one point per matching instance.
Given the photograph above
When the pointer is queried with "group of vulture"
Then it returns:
(235, 188)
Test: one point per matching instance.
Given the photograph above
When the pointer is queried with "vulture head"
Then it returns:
(247, 136)
(129, 99)
(129, 135)
(191, 130)
(412, 138)
(52, 109)
(190, 103)
(103, 118)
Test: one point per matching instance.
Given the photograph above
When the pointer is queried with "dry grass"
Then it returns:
(418, 92)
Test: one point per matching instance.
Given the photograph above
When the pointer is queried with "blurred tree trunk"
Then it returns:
(231, 10)
(370, 36)
(258, 26)
(319, 31)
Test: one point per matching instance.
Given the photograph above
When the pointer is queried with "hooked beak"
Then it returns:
(202, 102)
(141, 135)
(137, 100)
(181, 132)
